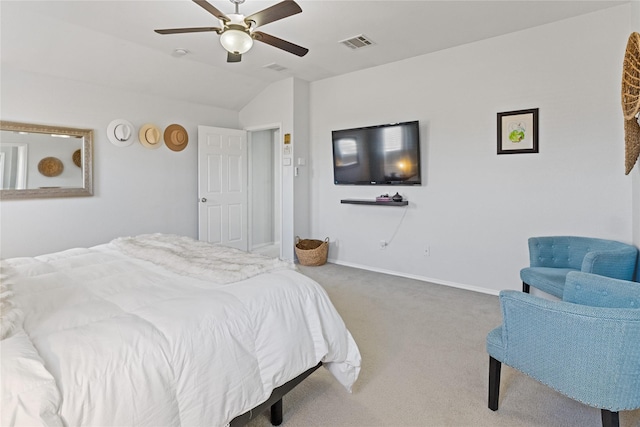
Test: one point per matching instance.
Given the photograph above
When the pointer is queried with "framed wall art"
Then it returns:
(518, 132)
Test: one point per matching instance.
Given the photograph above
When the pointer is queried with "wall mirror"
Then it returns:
(45, 161)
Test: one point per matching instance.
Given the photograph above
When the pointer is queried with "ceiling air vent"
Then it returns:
(275, 67)
(357, 42)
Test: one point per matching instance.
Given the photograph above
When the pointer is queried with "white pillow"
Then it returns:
(28, 392)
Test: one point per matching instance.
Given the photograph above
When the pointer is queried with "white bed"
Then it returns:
(136, 332)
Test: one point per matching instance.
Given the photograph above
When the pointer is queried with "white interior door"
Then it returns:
(222, 186)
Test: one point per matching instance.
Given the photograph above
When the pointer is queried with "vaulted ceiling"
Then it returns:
(112, 43)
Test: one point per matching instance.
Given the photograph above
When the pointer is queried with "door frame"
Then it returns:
(278, 156)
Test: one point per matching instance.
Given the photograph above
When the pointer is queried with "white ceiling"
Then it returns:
(113, 43)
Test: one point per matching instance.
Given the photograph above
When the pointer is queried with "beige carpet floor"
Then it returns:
(423, 362)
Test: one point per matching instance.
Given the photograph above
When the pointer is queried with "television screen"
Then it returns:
(377, 155)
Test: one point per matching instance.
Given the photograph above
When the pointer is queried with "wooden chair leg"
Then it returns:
(525, 288)
(494, 383)
(276, 413)
(610, 419)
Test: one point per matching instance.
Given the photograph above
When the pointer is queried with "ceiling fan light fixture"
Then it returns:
(237, 32)
(236, 40)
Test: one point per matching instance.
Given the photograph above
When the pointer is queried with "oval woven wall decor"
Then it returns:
(77, 158)
(631, 78)
(50, 166)
(630, 98)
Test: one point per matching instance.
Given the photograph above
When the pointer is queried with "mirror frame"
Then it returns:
(87, 162)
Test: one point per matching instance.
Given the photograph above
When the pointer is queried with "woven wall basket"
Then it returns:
(50, 167)
(630, 97)
(311, 251)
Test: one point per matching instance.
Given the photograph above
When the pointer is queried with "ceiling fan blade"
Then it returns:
(274, 13)
(233, 57)
(279, 43)
(212, 10)
(189, 30)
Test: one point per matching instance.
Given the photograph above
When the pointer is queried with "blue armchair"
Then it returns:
(552, 257)
(586, 347)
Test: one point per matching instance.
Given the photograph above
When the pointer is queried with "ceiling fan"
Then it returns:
(238, 32)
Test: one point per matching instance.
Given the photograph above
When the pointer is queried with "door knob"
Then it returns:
(204, 200)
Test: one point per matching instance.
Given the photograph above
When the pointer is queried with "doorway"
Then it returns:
(265, 184)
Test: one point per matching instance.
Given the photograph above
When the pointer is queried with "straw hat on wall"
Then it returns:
(176, 137)
(150, 136)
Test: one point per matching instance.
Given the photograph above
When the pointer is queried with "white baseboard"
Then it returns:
(416, 277)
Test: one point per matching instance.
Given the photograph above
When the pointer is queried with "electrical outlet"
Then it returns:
(383, 244)
(427, 251)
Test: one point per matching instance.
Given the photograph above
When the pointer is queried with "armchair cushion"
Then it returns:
(547, 279)
(601, 291)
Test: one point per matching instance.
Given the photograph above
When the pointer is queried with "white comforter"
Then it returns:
(129, 342)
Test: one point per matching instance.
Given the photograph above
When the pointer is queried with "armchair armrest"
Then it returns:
(617, 263)
(601, 291)
(590, 354)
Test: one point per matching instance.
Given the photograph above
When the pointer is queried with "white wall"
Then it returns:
(475, 209)
(137, 190)
(301, 150)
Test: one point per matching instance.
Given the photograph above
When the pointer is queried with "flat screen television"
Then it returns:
(377, 155)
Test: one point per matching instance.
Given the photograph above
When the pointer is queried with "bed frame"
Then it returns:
(274, 402)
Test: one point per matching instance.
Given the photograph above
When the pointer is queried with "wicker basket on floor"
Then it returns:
(312, 252)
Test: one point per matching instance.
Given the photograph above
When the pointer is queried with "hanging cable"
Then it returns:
(398, 226)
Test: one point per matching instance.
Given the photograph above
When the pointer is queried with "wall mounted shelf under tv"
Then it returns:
(374, 202)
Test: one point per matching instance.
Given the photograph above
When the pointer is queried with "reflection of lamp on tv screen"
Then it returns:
(377, 155)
